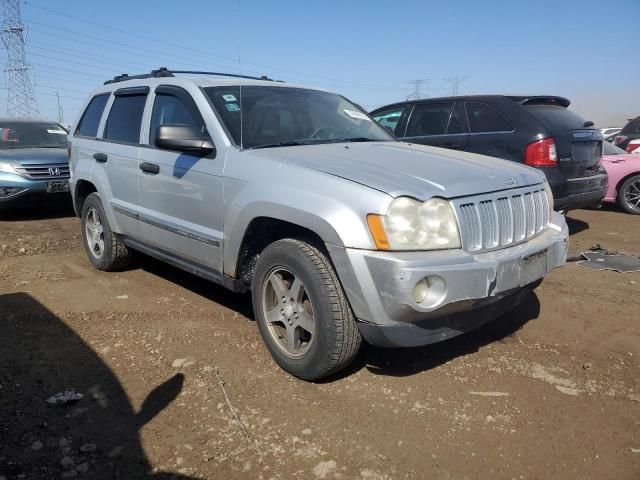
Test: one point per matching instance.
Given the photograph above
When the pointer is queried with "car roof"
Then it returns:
(521, 99)
(198, 81)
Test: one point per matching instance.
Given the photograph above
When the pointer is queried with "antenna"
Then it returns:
(455, 84)
(21, 102)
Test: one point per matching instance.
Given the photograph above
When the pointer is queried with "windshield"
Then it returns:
(284, 116)
(32, 135)
(611, 149)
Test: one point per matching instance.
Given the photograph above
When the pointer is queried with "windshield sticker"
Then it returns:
(356, 114)
(232, 107)
(58, 131)
(229, 98)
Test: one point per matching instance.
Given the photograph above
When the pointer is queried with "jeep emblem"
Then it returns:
(512, 182)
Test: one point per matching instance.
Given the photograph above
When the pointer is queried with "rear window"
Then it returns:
(125, 119)
(88, 125)
(556, 118)
(632, 127)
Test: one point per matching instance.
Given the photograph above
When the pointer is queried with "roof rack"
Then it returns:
(165, 72)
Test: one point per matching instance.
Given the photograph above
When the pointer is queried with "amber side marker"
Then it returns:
(377, 231)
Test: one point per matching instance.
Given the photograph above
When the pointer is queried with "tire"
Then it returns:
(297, 269)
(113, 254)
(629, 195)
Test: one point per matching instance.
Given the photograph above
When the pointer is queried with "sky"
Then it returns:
(368, 51)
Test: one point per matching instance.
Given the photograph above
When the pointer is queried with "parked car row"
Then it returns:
(341, 232)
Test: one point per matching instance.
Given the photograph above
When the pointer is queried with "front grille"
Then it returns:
(44, 172)
(499, 220)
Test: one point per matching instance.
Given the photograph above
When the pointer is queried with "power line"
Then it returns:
(21, 101)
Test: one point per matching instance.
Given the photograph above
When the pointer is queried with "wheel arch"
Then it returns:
(83, 189)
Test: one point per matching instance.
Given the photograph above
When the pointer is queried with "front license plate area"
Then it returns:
(57, 187)
(533, 268)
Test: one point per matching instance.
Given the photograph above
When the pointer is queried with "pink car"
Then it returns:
(624, 177)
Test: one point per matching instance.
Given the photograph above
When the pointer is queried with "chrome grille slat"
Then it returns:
(492, 221)
(41, 172)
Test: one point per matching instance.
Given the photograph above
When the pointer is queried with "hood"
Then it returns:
(34, 156)
(399, 168)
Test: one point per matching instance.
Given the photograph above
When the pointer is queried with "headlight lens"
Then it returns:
(8, 167)
(547, 189)
(413, 225)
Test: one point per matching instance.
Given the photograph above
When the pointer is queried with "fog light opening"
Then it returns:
(430, 291)
(9, 191)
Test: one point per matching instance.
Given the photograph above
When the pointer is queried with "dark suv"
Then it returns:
(538, 131)
(629, 137)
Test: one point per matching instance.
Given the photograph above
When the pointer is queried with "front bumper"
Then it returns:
(22, 186)
(380, 285)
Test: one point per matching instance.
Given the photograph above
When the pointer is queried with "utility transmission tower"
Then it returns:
(417, 87)
(455, 84)
(21, 102)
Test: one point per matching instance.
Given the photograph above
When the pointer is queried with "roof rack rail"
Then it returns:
(165, 72)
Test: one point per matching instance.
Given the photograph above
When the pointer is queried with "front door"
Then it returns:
(439, 124)
(181, 194)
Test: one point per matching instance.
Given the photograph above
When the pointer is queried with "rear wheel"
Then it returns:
(104, 248)
(629, 195)
(302, 312)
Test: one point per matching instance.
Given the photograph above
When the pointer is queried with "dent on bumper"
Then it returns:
(380, 285)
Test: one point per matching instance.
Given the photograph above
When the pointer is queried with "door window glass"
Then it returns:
(389, 118)
(88, 125)
(429, 119)
(484, 118)
(455, 122)
(171, 110)
(125, 119)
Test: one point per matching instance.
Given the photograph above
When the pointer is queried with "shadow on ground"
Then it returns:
(409, 361)
(575, 225)
(41, 356)
(37, 207)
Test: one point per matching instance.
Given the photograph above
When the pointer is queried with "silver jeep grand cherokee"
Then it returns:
(339, 231)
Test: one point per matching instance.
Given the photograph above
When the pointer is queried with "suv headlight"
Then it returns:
(413, 225)
(8, 167)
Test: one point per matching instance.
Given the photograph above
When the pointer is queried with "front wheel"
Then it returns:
(629, 195)
(302, 312)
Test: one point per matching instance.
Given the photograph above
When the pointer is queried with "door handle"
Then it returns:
(100, 157)
(150, 168)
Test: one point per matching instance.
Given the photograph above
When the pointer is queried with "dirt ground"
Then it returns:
(177, 383)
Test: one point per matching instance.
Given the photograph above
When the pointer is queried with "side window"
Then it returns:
(429, 119)
(171, 110)
(125, 119)
(88, 125)
(389, 118)
(455, 121)
(484, 118)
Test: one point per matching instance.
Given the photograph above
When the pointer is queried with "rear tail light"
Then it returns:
(542, 153)
(633, 146)
(619, 139)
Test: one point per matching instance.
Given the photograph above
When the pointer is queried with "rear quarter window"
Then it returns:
(556, 118)
(90, 120)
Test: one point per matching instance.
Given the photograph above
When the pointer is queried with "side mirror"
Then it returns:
(183, 138)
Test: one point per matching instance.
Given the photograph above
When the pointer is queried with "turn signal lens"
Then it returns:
(377, 231)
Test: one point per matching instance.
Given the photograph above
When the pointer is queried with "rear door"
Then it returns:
(439, 124)
(490, 133)
(116, 157)
(579, 148)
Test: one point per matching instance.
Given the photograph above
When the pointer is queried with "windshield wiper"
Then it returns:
(353, 139)
(280, 144)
